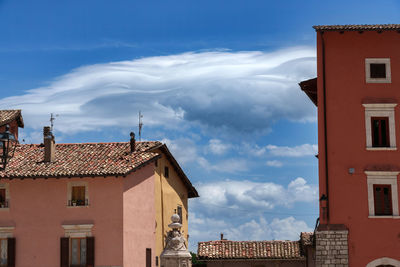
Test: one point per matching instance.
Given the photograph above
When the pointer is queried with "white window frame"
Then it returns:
(380, 110)
(382, 177)
(6, 186)
(384, 261)
(6, 231)
(69, 192)
(369, 61)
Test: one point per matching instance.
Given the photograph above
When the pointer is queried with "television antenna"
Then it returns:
(140, 125)
(52, 119)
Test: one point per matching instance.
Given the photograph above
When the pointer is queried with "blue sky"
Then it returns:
(215, 80)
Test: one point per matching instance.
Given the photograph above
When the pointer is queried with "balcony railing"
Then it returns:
(4, 204)
(78, 202)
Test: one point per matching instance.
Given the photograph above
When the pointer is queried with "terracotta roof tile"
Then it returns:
(79, 160)
(7, 116)
(363, 27)
(225, 249)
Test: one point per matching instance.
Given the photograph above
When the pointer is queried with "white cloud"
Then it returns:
(226, 198)
(278, 229)
(229, 91)
(274, 163)
(183, 149)
(231, 165)
(216, 147)
(296, 151)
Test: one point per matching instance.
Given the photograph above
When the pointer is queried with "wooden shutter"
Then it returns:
(148, 257)
(10, 252)
(64, 252)
(90, 251)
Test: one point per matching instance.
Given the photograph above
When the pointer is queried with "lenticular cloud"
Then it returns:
(229, 91)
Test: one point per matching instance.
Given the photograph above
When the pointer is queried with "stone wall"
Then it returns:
(332, 247)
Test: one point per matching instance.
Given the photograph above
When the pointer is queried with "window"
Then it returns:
(77, 247)
(380, 126)
(166, 172)
(4, 196)
(78, 194)
(3, 252)
(377, 70)
(383, 199)
(7, 247)
(382, 194)
(380, 131)
(180, 213)
(78, 252)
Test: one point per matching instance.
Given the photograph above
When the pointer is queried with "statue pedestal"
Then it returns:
(175, 253)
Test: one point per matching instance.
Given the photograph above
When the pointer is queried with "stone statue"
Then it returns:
(175, 253)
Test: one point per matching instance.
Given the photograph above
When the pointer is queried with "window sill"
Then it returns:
(4, 209)
(381, 148)
(84, 206)
(384, 217)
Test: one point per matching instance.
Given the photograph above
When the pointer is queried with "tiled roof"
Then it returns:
(79, 160)
(7, 116)
(364, 27)
(306, 238)
(225, 249)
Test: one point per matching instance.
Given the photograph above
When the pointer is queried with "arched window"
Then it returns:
(384, 262)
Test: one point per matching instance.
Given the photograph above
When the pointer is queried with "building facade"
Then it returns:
(357, 94)
(90, 204)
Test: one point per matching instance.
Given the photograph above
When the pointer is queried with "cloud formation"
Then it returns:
(296, 151)
(226, 198)
(227, 91)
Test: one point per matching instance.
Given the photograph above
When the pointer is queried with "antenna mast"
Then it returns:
(140, 125)
(52, 118)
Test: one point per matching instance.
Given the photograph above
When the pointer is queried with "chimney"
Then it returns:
(133, 142)
(222, 236)
(49, 145)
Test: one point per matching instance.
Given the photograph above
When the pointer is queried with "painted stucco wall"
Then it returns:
(138, 216)
(369, 238)
(169, 193)
(270, 263)
(38, 209)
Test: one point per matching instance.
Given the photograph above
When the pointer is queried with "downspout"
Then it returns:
(325, 131)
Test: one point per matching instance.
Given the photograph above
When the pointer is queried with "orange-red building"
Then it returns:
(357, 91)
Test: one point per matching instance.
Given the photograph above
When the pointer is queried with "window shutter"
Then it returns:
(90, 251)
(10, 252)
(64, 258)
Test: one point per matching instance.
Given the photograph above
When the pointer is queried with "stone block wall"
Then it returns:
(332, 248)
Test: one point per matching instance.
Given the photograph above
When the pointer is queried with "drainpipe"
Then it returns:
(325, 197)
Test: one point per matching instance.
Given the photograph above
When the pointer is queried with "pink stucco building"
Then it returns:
(75, 205)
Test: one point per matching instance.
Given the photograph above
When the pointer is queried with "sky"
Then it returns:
(217, 81)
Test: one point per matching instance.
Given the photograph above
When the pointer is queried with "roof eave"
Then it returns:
(192, 192)
(309, 87)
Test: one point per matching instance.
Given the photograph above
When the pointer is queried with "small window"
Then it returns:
(166, 172)
(78, 196)
(3, 199)
(180, 213)
(78, 252)
(380, 131)
(383, 199)
(377, 70)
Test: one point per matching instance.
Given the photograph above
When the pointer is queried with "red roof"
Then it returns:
(225, 249)
(362, 27)
(79, 160)
(7, 116)
(310, 88)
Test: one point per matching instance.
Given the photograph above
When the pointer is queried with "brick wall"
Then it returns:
(332, 248)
